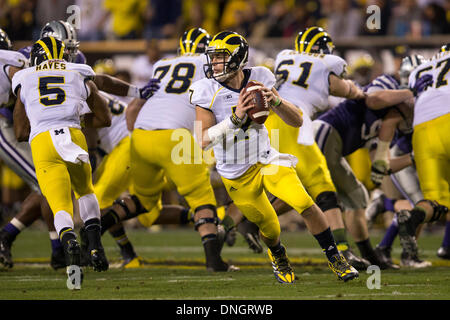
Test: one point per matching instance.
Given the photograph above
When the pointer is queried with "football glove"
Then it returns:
(149, 89)
(380, 168)
(422, 84)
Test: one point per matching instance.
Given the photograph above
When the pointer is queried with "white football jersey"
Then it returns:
(169, 107)
(306, 78)
(241, 148)
(304, 82)
(111, 136)
(53, 94)
(434, 101)
(8, 58)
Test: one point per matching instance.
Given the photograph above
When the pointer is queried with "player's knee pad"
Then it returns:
(328, 200)
(438, 210)
(128, 214)
(204, 220)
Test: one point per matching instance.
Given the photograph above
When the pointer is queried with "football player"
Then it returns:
(354, 124)
(17, 155)
(162, 121)
(431, 145)
(307, 76)
(403, 184)
(221, 108)
(50, 95)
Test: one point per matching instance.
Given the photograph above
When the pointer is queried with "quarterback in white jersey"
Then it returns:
(50, 95)
(249, 167)
(160, 123)
(431, 146)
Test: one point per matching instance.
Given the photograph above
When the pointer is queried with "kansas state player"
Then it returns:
(351, 125)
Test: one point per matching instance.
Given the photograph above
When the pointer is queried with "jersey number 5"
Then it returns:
(45, 90)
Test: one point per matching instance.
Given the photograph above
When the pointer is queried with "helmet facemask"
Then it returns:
(223, 57)
(66, 33)
(408, 65)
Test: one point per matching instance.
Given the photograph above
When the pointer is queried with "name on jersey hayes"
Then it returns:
(51, 64)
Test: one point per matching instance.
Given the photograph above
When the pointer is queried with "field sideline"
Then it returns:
(174, 270)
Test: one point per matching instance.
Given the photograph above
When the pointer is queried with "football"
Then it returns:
(260, 112)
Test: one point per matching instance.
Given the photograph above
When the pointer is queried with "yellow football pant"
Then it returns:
(431, 145)
(361, 165)
(312, 166)
(56, 177)
(155, 153)
(113, 174)
(249, 195)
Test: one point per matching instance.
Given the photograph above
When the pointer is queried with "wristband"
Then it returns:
(133, 91)
(236, 120)
(277, 103)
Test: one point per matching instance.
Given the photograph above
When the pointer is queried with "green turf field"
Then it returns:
(175, 271)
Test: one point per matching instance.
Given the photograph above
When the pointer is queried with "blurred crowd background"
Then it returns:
(146, 19)
(134, 34)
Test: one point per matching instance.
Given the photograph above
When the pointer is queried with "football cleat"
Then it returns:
(443, 253)
(341, 268)
(73, 253)
(98, 260)
(281, 267)
(384, 253)
(250, 232)
(355, 261)
(220, 266)
(413, 261)
(406, 231)
(134, 263)
(5, 252)
(58, 259)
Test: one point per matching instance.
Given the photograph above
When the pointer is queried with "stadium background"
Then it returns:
(136, 33)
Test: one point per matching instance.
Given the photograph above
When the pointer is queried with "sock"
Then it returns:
(228, 223)
(390, 235)
(418, 215)
(92, 227)
(367, 252)
(341, 239)
(126, 248)
(108, 220)
(446, 241)
(389, 204)
(12, 229)
(212, 252)
(277, 249)
(54, 240)
(184, 216)
(327, 243)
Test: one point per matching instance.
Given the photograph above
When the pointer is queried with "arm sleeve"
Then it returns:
(263, 75)
(16, 82)
(336, 65)
(200, 95)
(84, 70)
